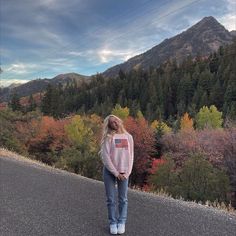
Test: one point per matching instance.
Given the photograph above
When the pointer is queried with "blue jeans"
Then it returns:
(110, 181)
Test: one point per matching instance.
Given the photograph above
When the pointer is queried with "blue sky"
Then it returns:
(44, 38)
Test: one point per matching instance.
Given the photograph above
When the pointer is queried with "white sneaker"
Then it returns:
(121, 228)
(113, 229)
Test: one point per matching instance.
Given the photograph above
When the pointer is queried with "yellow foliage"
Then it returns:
(80, 134)
(163, 126)
(122, 113)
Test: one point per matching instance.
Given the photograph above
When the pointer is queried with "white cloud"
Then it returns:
(20, 68)
(74, 53)
(229, 21)
(47, 3)
(44, 40)
(106, 55)
(7, 82)
(64, 63)
(231, 2)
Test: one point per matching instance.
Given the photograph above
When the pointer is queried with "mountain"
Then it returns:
(39, 85)
(14, 85)
(233, 33)
(201, 39)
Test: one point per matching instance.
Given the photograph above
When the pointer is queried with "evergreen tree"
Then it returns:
(32, 104)
(15, 103)
(217, 95)
(46, 104)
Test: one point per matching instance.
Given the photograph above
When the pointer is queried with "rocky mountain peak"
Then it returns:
(203, 38)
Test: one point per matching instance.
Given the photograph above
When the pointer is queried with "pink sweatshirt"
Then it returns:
(118, 154)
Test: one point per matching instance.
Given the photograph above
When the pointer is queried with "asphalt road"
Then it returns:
(36, 200)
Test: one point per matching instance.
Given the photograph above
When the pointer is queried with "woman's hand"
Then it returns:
(121, 177)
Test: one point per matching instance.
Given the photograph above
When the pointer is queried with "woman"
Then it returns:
(117, 151)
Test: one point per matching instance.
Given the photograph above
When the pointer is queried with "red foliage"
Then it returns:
(156, 163)
(211, 143)
(143, 147)
(26, 129)
(218, 146)
(3, 106)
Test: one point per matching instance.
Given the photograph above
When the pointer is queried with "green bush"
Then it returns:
(87, 163)
(7, 131)
(198, 180)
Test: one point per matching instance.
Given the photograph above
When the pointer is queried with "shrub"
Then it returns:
(87, 164)
(196, 180)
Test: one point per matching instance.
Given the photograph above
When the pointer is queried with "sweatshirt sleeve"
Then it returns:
(106, 159)
(131, 159)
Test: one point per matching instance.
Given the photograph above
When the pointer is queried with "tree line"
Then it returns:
(166, 92)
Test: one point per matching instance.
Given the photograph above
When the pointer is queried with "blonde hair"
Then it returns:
(107, 132)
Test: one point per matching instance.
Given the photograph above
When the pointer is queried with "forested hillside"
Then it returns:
(164, 93)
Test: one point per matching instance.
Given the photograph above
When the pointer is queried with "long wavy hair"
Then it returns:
(107, 132)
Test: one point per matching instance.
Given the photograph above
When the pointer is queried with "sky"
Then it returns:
(44, 38)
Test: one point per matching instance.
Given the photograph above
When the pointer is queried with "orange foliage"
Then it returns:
(27, 129)
(51, 134)
(186, 122)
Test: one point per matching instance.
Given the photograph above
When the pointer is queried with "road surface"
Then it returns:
(37, 200)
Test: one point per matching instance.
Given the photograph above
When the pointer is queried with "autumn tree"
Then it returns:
(209, 118)
(122, 113)
(143, 148)
(49, 141)
(82, 155)
(186, 123)
(80, 135)
(160, 125)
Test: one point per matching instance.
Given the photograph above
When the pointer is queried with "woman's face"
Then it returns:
(113, 123)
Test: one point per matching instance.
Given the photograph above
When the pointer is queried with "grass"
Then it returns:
(11, 154)
(215, 205)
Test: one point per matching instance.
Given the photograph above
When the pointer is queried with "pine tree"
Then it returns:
(217, 95)
(32, 104)
(46, 104)
(15, 103)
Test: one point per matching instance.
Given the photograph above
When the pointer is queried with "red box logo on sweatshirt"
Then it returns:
(121, 143)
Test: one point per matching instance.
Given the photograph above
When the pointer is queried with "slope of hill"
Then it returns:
(38, 200)
(233, 33)
(39, 85)
(201, 39)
